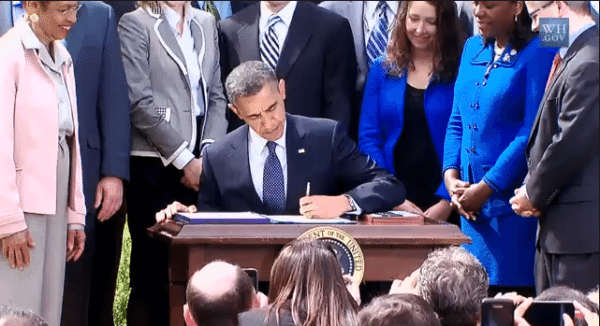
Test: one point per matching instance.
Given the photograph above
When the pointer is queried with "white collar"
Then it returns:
(173, 17)
(573, 36)
(31, 42)
(371, 9)
(261, 142)
(286, 13)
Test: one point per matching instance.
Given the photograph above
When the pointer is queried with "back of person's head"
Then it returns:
(593, 295)
(454, 283)
(565, 293)
(10, 316)
(217, 293)
(306, 280)
(580, 7)
(400, 309)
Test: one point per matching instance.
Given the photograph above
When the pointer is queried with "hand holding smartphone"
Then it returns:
(253, 273)
(500, 312)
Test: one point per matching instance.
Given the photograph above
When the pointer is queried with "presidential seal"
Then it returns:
(347, 250)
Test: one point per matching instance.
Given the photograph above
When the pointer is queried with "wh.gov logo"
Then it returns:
(554, 32)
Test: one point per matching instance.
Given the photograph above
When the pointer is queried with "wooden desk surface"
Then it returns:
(432, 233)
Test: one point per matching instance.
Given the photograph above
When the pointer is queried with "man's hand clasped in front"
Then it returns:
(522, 205)
(191, 174)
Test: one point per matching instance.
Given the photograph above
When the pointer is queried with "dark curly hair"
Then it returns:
(448, 42)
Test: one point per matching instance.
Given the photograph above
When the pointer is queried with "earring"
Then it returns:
(34, 18)
(516, 18)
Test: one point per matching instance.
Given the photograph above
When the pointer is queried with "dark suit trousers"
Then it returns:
(579, 271)
(90, 283)
(152, 187)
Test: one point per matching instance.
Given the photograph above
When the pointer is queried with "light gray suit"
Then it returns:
(159, 93)
(5, 17)
(354, 12)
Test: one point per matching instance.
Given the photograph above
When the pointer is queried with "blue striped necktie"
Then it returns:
(379, 37)
(269, 45)
(273, 187)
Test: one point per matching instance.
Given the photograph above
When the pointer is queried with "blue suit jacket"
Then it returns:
(102, 99)
(5, 17)
(330, 161)
(382, 116)
(492, 117)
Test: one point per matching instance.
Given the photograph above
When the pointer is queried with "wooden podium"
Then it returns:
(390, 251)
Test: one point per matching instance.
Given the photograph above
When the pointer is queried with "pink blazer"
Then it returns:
(29, 137)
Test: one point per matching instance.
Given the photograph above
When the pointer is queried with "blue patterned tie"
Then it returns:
(269, 45)
(273, 187)
(379, 37)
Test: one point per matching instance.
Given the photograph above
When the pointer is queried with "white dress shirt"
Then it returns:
(281, 29)
(192, 63)
(257, 156)
(371, 14)
(18, 12)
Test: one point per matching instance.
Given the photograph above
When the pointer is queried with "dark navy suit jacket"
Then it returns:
(319, 151)
(102, 99)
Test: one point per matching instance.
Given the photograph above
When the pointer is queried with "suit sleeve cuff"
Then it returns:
(183, 159)
(75, 226)
(357, 210)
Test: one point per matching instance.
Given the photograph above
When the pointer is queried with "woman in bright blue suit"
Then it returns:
(408, 100)
(500, 83)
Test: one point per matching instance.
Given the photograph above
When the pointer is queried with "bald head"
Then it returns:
(215, 279)
(218, 292)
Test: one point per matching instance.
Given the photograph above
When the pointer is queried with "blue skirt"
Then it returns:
(505, 245)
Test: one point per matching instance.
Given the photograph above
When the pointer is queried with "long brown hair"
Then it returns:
(448, 42)
(306, 280)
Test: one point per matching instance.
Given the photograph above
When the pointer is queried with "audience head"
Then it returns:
(10, 316)
(401, 309)
(593, 295)
(426, 27)
(504, 20)
(564, 293)
(306, 280)
(454, 283)
(217, 293)
(556, 9)
(51, 20)
(256, 97)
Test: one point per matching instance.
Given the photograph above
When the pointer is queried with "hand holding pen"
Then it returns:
(323, 207)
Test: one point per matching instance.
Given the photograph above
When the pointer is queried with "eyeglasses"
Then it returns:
(73, 9)
(536, 12)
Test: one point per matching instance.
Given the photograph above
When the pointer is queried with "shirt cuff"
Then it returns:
(183, 159)
(75, 226)
(357, 210)
(524, 189)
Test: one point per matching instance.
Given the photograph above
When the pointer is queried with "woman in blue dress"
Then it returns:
(500, 83)
(408, 100)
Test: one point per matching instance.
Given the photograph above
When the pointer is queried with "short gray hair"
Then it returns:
(580, 7)
(454, 282)
(248, 79)
(16, 316)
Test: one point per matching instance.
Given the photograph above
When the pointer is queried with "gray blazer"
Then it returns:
(562, 153)
(162, 115)
(354, 12)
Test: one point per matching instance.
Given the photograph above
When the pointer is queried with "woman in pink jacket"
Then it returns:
(42, 208)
